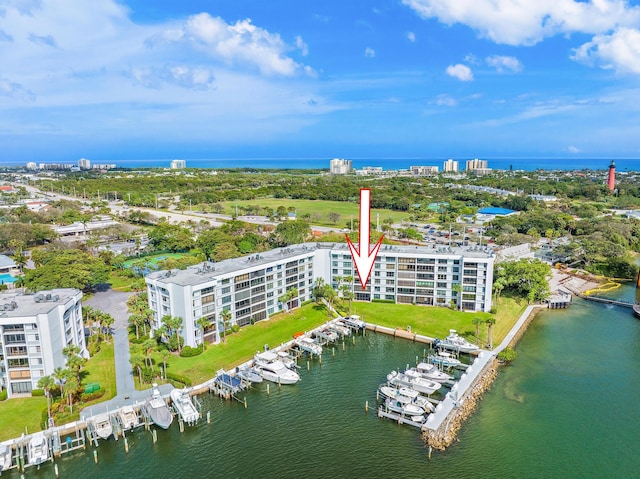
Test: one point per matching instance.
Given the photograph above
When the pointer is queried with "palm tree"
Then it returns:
(284, 299)
(147, 347)
(174, 324)
(72, 388)
(60, 378)
(203, 323)
(136, 320)
(477, 322)
(226, 319)
(457, 288)
(46, 383)
(293, 293)
(137, 361)
(330, 297)
(107, 323)
(165, 354)
(490, 322)
(318, 289)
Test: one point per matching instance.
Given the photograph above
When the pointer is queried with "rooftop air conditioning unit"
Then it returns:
(38, 298)
(55, 297)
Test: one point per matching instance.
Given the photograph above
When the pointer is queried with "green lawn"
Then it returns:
(20, 415)
(243, 345)
(319, 207)
(101, 368)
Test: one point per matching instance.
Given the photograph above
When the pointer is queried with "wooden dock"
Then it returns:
(615, 302)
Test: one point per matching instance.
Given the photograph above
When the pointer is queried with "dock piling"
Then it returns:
(267, 389)
(366, 406)
(245, 402)
(208, 417)
(55, 469)
(126, 445)
(95, 456)
(155, 436)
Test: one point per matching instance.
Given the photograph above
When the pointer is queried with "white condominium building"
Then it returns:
(178, 164)
(34, 329)
(450, 166)
(477, 165)
(423, 170)
(250, 287)
(339, 166)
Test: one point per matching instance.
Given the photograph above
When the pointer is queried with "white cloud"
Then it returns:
(503, 63)
(302, 46)
(573, 149)
(471, 59)
(411, 37)
(369, 52)
(445, 100)
(460, 71)
(619, 51)
(522, 22)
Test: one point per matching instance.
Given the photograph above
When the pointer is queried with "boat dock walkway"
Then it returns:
(615, 302)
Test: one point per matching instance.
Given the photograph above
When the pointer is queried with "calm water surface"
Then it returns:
(566, 408)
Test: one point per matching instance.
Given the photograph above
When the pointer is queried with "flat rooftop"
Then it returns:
(17, 305)
(209, 270)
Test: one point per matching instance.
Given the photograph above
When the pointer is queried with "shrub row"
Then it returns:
(179, 378)
(188, 351)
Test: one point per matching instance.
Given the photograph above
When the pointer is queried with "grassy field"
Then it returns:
(319, 207)
(242, 345)
(152, 259)
(20, 415)
(101, 369)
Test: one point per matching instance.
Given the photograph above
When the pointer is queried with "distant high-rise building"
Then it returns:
(178, 164)
(450, 166)
(32, 166)
(611, 181)
(477, 165)
(339, 166)
(423, 170)
(84, 164)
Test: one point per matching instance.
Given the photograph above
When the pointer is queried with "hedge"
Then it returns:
(188, 351)
(388, 301)
(179, 378)
(37, 392)
(3, 395)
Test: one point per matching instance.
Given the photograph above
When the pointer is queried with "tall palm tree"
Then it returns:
(226, 319)
(490, 322)
(46, 383)
(457, 288)
(137, 361)
(147, 348)
(203, 323)
(477, 322)
(174, 324)
(293, 293)
(60, 378)
(72, 388)
(284, 299)
(165, 354)
(107, 323)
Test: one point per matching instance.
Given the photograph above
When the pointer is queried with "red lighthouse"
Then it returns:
(611, 181)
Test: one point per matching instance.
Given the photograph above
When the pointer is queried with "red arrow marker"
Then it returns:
(363, 257)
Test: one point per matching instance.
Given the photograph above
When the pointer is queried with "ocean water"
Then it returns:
(528, 164)
(566, 408)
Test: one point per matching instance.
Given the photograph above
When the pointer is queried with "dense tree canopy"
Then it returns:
(525, 277)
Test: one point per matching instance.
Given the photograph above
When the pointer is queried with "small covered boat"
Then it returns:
(272, 369)
(287, 360)
(444, 359)
(38, 450)
(354, 322)
(308, 345)
(407, 396)
(431, 372)
(249, 374)
(184, 406)
(410, 410)
(157, 409)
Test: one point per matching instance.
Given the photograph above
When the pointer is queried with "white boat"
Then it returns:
(287, 360)
(407, 396)
(272, 369)
(354, 321)
(456, 342)
(341, 329)
(102, 425)
(308, 345)
(38, 451)
(444, 359)
(128, 418)
(249, 374)
(157, 409)
(431, 372)
(184, 405)
(404, 409)
(5, 457)
(413, 381)
(327, 334)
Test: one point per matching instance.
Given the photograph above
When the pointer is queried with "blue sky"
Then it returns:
(146, 79)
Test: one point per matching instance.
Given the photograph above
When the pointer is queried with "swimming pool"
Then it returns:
(7, 278)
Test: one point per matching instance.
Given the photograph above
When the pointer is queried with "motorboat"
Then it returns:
(308, 345)
(431, 372)
(184, 406)
(128, 418)
(407, 396)
(327, 334)
(102, 425)
(354, 322)
(410, 410)
(457, 343)
(414, 381)
(157, 409)
(444, 359)
(287, 360)
(38, 450)
(272, 369)
(341, 329)
(249, 374)
(5, 457)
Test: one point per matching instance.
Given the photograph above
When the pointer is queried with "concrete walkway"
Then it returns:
(115, 303)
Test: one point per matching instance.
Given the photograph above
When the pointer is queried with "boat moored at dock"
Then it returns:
(406, 395)
(184, 406)
(413, 412)
(129, 418)
(414, 381)
(354, 322)
(249, 374)
(457, 343)
(157, 409)
(431, 372)
(102, 425)
(38, 450)
(308, 345)
(272, 369)
(445, 359)
(5, 457)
